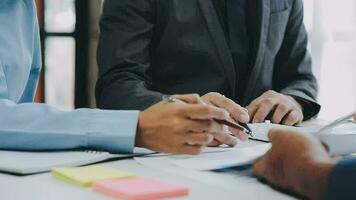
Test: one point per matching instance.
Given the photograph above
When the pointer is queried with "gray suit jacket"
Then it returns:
(153, 47)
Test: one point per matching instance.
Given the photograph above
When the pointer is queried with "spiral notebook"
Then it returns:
(25, 163)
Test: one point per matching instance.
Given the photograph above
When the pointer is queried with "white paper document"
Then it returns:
(244, 153)
(341, 140)
(261, 130)
(222, 160)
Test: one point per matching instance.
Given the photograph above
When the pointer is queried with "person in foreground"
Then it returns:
(24, 125)
(300, 163)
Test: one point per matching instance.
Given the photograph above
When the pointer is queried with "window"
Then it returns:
(60, 16)
(64, 35)
(332, 29)
(59, 73)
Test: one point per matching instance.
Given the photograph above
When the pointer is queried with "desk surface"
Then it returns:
(231, 185)
(44, 186)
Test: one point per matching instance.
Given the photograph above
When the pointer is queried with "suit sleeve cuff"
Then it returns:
(310, 107)
(112, 131)
(341, 182)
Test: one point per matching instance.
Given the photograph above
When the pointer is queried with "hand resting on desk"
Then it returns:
(283, 109)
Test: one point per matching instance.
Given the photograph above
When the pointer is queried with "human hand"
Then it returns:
(296, 162)
(284, 109)
(237, 113)
(179, 128)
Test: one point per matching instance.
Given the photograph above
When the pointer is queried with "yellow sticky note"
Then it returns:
(85, 176)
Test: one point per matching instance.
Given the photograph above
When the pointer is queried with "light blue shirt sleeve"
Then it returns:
(31, 126)
(25, 125)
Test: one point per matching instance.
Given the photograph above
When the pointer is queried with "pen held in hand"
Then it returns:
(235, 125)
(240, 126)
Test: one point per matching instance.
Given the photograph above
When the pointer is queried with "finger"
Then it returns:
(226, 138)
(239, 134)
(214, 143)
(253, 107)
(191, 149)
(201, 139)
(255, 104)
(292, 118)
(204, 112)
(263, 110)
(259, 167)
(258, 100)
(238, 113)
(200, 126)
(189, 98)
(281, 111)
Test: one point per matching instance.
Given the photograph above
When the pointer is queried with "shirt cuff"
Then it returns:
(112, 131)
(310, 107)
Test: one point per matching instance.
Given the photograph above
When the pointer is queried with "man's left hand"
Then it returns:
(284, 109)
(237, 113)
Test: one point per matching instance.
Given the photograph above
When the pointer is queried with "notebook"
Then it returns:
(24, 163)
(140, 188)
(85, 176)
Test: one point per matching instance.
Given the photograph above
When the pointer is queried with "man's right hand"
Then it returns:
(179, 128)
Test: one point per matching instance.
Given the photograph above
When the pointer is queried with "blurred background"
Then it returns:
(69, 32)
(69, 35)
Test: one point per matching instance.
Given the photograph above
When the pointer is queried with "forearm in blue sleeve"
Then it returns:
(39, 127)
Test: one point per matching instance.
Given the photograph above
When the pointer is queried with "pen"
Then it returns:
(337, 122)
(237, 125)
(258, 140)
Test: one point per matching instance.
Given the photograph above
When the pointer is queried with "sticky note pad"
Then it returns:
(85, 176)
(139, 188)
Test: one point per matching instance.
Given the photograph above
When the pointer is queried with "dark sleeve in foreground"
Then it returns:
(342, 181)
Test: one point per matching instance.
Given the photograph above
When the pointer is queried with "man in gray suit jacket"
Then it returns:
(254, 52)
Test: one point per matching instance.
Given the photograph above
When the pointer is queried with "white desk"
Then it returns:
(44, 186)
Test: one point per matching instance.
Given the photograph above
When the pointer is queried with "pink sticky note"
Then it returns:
(140, 188)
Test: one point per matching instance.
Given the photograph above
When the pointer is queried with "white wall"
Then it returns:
(332, 33)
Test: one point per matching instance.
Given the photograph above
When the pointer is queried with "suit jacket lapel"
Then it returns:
(219, 39)
(264, 8)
